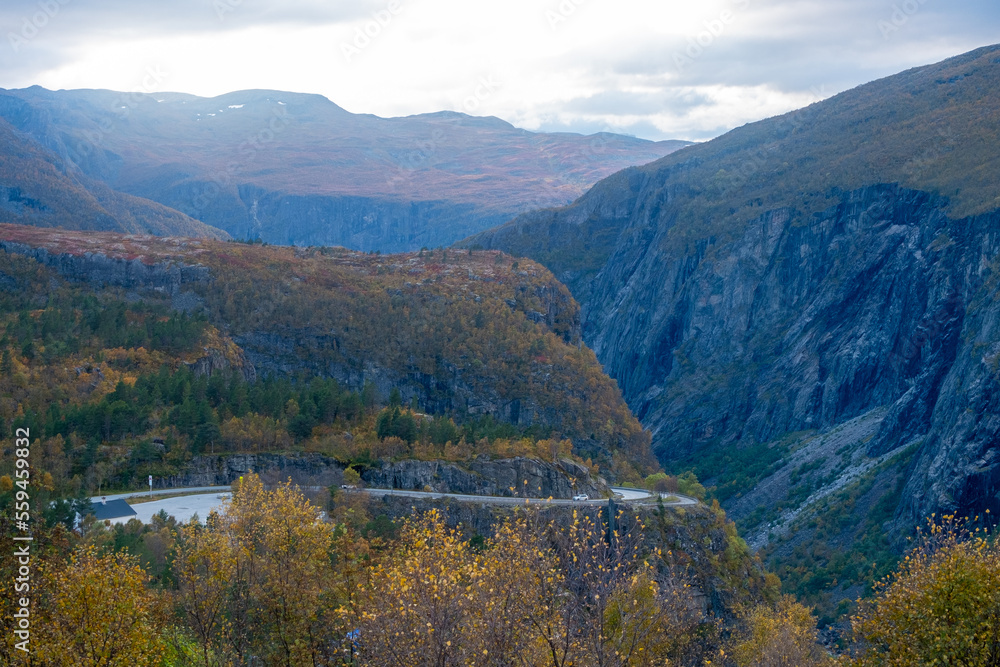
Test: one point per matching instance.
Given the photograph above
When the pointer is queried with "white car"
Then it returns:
(581, 496)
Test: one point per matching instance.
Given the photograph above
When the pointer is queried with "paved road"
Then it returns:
(162, 492)
(627, 494)
(631, 494)
(491, 500)
(185, 507)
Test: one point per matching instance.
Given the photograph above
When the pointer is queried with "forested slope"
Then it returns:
(133, 354)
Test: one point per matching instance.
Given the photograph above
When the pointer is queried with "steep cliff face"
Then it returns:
(529, 478)
(882, 301)
(364, 223)
(958, 468)
(795, 326)
(170, 277)
(803, 272)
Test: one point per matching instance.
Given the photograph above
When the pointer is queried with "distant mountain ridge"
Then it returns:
(37, 189)
(293, 168)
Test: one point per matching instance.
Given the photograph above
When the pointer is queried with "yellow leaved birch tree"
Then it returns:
(97, 612)
(940, 607)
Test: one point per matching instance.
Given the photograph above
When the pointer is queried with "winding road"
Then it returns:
(191, 501)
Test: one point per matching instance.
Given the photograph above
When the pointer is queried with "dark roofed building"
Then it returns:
(113, 510)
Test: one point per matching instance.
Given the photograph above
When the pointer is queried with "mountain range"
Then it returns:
(287, 168)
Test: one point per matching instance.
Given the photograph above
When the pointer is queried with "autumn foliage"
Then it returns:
(98, 612)
(272, 581)
(941, 606)
(782, 635)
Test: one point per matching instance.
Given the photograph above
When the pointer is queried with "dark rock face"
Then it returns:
(804, 323)
(358, 222)
(215, 361)
(484, 477)
(796, 325)
(480, 477)
(166, 277)
(364, 223)
(303, 469)
(958, 468)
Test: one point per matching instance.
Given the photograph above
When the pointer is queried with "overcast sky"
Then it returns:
(657, 69)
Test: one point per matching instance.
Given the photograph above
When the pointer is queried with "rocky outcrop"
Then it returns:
(303, 469)
(480, 477)
(167, 277)
(218, 361)
(518, 477)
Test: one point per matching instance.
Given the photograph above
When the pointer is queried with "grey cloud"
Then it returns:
(616, 102)
(154, 18)
(42, 34)
(810, 45)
